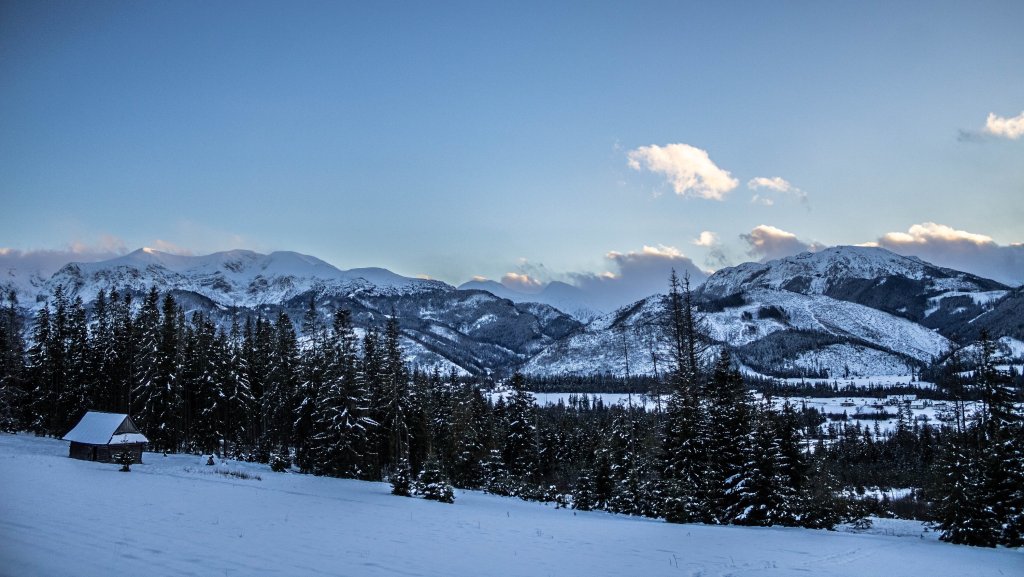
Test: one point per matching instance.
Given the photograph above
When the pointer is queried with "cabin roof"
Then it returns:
(98, 428)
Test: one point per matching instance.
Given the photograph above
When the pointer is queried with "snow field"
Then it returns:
(176, 516)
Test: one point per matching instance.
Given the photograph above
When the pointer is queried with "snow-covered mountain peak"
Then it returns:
(236, 277)
(820, 272)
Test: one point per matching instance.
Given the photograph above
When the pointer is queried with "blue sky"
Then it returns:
(557, 142)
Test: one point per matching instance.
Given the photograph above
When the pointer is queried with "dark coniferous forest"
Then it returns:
(314, 396)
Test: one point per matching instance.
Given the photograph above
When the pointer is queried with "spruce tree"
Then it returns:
(469, 436)
(239, 413)
(312, 382)
(278, 397)
(432, 484)
(39, 369)
(342, 419)
(519, 449)
(392, 398)
(102, 355)
(144, 370)
(964, 516)
(1001, 441)
(763, 493)
(684, 463)
(729, 428)
(13, 377)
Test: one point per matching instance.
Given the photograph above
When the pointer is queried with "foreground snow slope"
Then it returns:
(175, 516)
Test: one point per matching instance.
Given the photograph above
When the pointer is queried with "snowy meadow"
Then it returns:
(176, 515)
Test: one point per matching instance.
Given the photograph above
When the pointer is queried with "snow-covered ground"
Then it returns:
(176, 516)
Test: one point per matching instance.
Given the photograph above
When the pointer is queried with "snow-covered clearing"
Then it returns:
(176, 516)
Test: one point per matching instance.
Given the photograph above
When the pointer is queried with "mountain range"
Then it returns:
(843, 311)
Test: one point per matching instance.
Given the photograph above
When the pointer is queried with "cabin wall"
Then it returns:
(104, 453)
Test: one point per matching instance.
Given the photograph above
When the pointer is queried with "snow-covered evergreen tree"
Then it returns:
(240, 403)
(432, 484)
(684, 463)
(633, 489)
(13, 371)
(762, 493)
(469, 442)
(519, 447)
(278, 397)
(401, 479)
(313, 376)
(145, 364)
(729, 429)
(963, 514)
(342, 418)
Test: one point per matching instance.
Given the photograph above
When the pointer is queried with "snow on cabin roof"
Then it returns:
(98, 428)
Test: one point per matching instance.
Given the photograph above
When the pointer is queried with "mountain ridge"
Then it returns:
(873, 308)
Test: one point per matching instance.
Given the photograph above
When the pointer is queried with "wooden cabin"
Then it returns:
(103, 436)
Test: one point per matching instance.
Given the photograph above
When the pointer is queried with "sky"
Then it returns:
(521, 142)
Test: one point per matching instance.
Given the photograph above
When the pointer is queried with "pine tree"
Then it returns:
(469, 436)
(401, 479)
(102, 355)
(432, 484)
(391, 401)
(312, 382)
(496, 478)
(125, 352)
(964, 516)
(13, 377)
(584, 495)
(278, 397)
(1001, 441)
(729, 428)
(157, 396)
(259, 353)
(77, 397)
(239, 413)
(146, 363)
(342, 419)
(630, 469)
(764, 494)
(41, 369)
(684, 450)
(207, 381)
(519, 449)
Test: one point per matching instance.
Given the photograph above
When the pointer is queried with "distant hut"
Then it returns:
(103, 436)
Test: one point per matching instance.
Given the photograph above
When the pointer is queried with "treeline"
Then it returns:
(599, 383)
(329, 401)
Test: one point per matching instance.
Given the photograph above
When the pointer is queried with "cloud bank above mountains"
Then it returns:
(958, 249)
(938, 244)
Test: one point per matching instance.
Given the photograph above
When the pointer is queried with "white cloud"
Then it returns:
(1012, 128)
(930, 232)
(660, 251)
(630, 276)
(768, 242)
(522, 282)
(637, 274)
(706, 239)
(774, 185)
(971, 252)
(18, 267)
(689, 170)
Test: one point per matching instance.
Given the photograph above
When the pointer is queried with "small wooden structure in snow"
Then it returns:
(103, 436)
